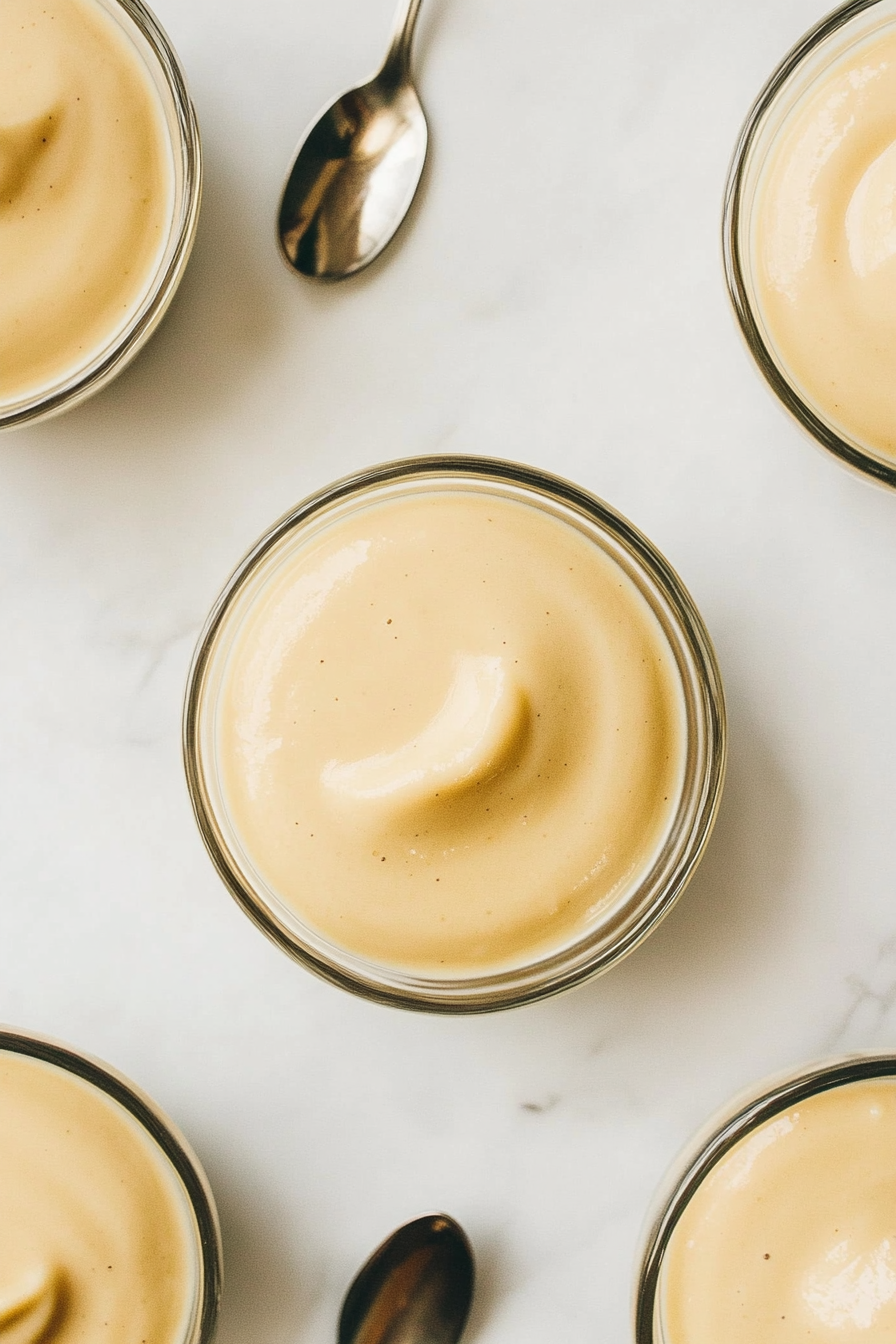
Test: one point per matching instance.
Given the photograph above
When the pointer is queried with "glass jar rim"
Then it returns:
(859, 459)
(714, 1140)
(584, 957)
(167, 1138)
(186, 149)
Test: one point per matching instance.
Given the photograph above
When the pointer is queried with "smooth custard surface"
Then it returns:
(86, 188)
(824, 244)
(451, 732)
(95, 1243)
(792, 1236)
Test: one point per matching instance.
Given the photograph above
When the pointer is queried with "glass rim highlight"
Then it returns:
(705, 745)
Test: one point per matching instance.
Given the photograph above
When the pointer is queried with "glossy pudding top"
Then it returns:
(450, 733)
(824, 243)
(792, 1236)
(86, 189)
(96, 1240)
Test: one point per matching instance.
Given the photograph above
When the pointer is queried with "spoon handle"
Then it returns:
(398, 58)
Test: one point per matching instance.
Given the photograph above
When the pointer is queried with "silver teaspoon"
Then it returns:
(357, 168)
(415, 1289)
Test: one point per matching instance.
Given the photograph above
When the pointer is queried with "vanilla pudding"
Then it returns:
(451, 731)
(445, 731)
(94, 207)
(790, 1236)
(812, 235)
(99, 1238)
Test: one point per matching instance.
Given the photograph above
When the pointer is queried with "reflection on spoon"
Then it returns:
(28, 1307)
(357, 168)
(416, 1288)
(482, 719)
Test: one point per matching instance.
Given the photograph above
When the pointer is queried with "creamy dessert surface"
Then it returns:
(86, 188)
(451, 732)
(824, 244)
(792, 1236)
(95, 1238)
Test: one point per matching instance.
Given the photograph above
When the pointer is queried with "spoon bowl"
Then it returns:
(357, 169)
(416, 1288)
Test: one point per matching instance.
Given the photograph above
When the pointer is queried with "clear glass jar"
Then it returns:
(817, 52)
(154, 48)
(189, 1176)
(728, 1127)
(628, 921)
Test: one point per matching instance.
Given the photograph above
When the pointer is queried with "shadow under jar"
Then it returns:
(777, 1221)
(100, 184)
(454, 734)
(108, 1229)
(809, 234)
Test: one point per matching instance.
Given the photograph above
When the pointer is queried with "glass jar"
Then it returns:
(165, 1142)
(629, 919)
(157, 55)
(783, 98)
(746, 1114)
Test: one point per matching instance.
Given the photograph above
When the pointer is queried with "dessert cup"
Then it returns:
(737, 1121)
(618, 930)
(102, 364)
(785, 95)
(167, 1149)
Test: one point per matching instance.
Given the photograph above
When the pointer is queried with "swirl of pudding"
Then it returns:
(450, 733)
(824, 243)
(86, 189)
(96, 1238)
(791, 1236)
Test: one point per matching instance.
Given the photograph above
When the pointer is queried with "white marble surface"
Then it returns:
(556, 298)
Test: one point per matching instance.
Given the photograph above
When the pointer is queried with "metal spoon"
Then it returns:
(415, 1289)
(357, 168)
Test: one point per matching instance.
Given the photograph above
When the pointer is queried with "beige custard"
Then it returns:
(450, 733)
(86, 189)
(96, 1237)
(792, 1235)
(824, 243)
